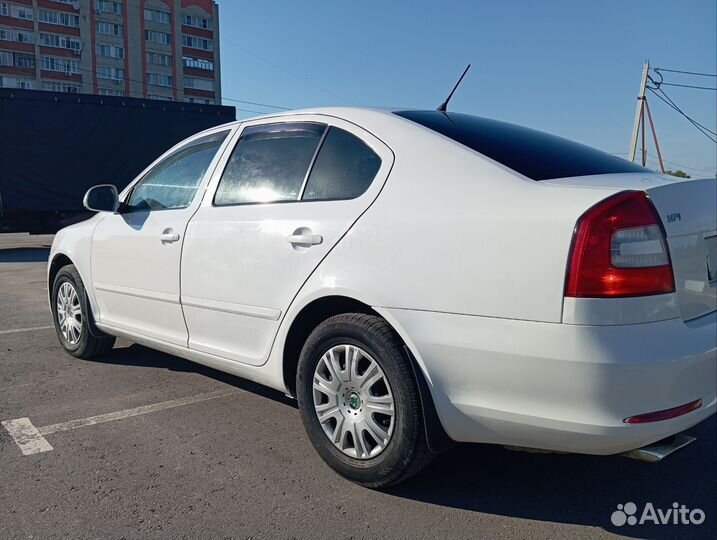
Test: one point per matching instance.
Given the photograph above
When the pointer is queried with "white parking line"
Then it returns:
(27, 436)
(30, 329)
(31, 441)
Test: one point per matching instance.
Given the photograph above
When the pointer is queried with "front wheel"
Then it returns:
(359, 401)
(72, 317)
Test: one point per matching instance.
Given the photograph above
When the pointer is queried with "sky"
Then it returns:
(571, 68)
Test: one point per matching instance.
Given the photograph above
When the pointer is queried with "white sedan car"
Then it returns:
(414, 278)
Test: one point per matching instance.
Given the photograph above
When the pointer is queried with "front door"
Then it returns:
(290, 190)
(136, 252)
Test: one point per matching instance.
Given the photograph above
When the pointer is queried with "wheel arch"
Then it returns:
(320, 309)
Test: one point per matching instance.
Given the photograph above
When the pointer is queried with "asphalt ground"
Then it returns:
(235, 462)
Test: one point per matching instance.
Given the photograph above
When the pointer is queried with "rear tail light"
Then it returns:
(619, 249)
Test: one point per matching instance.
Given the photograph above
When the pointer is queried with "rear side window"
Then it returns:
(344, 168)
(269, 163)
(173, 182)
(537, 155)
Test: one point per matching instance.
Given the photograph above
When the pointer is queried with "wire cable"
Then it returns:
(674, 105)
(145, 84)
(702, 129)
(689, 86)
(686, 72)
(294, 75)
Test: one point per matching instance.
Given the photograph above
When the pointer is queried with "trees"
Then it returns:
(680, 173)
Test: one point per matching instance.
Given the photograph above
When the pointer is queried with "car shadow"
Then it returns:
(24, 254)
(140, 356)
(575, 489)
(558, 488)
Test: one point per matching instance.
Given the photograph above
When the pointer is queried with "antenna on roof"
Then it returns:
(443, 106)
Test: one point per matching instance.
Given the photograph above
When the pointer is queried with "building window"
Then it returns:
(109, 51)
(109, 28)
(197, 63)
(159, 79)
(15, 82)
(24, 60)
(159, 98)
(199, 84)
(57, 86)
(63, 65)
(197, 22)
(59, 17)
(62, 42)
(3, 9)
(157, 16)
(103, 6)
(19, 12)
(113, 74)
(201, 101)
(6, 58)
(198, 43)
(159, 59)
(158, 37)
(110, 92)
(23, 36)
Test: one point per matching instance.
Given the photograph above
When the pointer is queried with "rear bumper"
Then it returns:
(562, 387)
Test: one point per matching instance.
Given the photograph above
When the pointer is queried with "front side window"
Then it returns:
(269, 163)
(174, 181)
(344, 168)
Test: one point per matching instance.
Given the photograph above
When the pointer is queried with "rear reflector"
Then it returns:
(619, 249)
(664, 415)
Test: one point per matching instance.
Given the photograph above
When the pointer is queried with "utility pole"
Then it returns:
(639, 112)
(643, 106)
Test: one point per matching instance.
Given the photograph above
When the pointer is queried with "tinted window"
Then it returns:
(269, 163)
(532, 153)
(173, 182)
(344, 168)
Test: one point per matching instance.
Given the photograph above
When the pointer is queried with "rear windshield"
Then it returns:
(532, 153)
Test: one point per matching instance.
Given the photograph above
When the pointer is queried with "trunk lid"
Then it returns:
(688, 211)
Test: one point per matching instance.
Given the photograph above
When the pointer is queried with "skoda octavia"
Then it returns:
(414, 279)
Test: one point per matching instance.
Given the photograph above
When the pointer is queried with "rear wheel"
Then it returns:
(359, 401)
(72, 317)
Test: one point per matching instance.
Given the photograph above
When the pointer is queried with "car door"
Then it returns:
(289, 190)
(136, 251)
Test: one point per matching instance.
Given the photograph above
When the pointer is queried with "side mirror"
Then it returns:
(102, 198)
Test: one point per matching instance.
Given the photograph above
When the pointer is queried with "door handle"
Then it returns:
(305, 239)
(168, 236)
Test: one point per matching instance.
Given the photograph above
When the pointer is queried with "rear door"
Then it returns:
(285, 195)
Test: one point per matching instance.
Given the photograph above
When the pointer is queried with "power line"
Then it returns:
(674, 105)
(145, 84)
(294, 75)
(686, 72)
(702, 129)
(688, 86)
(258, 104)
(681, 165)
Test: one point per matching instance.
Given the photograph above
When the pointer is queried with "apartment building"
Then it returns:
(157, 49)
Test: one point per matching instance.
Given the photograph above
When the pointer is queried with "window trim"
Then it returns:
(327, 127)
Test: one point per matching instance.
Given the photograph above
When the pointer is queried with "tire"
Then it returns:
(396, 456)
(84, 340)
